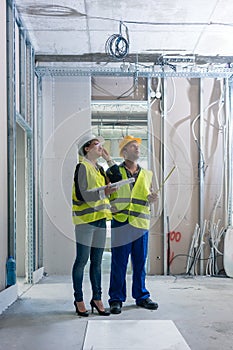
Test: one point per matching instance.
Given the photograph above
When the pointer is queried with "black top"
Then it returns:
(114, 174)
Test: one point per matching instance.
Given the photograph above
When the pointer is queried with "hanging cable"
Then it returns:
(215, 235)
(117, 45)
(198, 116)
(160, 93)
(128, 92)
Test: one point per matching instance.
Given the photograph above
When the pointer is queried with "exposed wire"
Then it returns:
(210, 23)
(195, 252)
(155, 177)
(192, 249)
(185, 274)
(130, 91)
(181, 23)
(188, 256)
(202, 162)
(173, 98)
(117, 45)
(214, 235)
(198, 116)
(100, 88)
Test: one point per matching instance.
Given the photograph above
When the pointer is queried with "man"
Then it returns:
(130, 225)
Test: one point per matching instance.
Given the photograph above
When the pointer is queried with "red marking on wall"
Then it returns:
(172, 254)
(174, 237)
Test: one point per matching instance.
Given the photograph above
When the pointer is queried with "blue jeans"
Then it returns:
(90, 242)
(128, 240)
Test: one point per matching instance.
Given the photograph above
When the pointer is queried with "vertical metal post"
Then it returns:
(22, 73)
(29, 209)
(38, 148)
(32, 155)
(149, 145)
(201, 171)
(30, 266)
(11, 125)
(162, 177)
(229, 110)
(149, 160)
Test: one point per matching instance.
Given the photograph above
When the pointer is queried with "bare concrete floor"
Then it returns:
(43, 317)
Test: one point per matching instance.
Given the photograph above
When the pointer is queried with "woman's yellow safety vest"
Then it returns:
(133, 204)
(85, 212)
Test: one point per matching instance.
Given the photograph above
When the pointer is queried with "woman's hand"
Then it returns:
(106, 155)
(109, 190)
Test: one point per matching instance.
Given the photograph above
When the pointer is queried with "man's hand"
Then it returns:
(152, 197)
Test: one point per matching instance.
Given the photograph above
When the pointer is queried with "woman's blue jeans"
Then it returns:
(90, 243)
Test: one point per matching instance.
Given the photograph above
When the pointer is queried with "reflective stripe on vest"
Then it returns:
(133, 205)
(85, 212)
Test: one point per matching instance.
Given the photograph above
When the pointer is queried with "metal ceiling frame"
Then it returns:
(137, 71)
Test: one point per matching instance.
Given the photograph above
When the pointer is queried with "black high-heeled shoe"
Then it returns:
(80, 313)
(94, 306)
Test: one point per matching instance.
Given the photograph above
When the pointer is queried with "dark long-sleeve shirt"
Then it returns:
(114, 174)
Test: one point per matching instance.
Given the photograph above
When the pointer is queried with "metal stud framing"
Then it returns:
(24, 117)
(39, 133)
(230, 153)
(30, 166)
(191, 72)
(11, 119)
(201, 170)
(163, 158)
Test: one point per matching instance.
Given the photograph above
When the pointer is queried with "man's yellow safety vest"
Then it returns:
(133, 204)
(86, 212)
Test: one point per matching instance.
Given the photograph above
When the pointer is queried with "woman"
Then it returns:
(90, 210)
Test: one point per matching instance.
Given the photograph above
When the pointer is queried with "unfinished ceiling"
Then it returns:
(77, 30)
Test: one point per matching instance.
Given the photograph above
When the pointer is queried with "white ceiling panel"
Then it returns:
(222, 12)
(216, 41)
(164, 40)
(82, 27)
(48, 43)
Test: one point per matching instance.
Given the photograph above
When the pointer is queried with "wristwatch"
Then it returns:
(110, 162)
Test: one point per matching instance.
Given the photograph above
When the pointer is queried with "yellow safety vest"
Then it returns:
(85, 212)
(133, 204)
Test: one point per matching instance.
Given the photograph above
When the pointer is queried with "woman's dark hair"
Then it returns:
(87, 144)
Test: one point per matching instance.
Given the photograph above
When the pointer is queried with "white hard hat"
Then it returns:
(86, 138)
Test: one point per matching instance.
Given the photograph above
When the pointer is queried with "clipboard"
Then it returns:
(113, 185)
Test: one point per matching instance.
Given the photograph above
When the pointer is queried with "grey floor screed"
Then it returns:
(43, 318)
